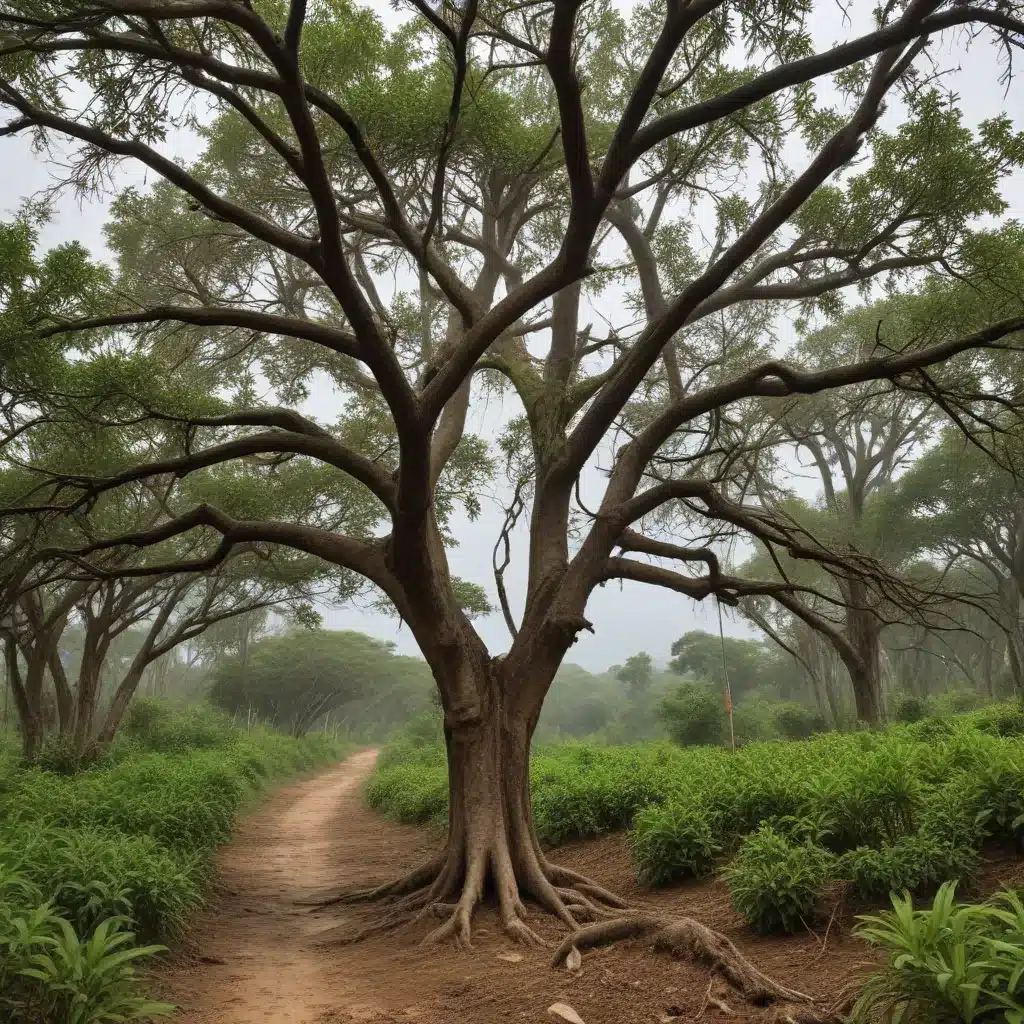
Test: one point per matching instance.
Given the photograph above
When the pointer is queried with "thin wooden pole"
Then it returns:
(725, 672)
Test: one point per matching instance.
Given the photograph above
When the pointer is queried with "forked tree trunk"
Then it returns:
(492, 851)
(86, 697)
(27, 689)
(65, 696)
(1013, 660)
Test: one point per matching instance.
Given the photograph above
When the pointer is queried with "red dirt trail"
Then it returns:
(256, 956)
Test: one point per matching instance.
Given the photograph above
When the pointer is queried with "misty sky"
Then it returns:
(626, 619)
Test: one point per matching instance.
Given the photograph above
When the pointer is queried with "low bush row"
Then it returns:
(907, 808)
(96, 866)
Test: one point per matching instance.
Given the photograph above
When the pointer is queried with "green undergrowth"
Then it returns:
(97, 866)
(905, 808)
(947, 962)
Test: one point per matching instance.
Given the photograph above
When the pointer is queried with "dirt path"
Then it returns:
(256, 954)
(257, 957)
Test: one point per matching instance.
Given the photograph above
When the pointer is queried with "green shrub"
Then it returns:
(91, 874)
(159, 726)
(426, 729)
(919, 864)
(186, 802)
(911, 805)
(776, 883)
(947, 963)
(92, 862)
(673, 842)
(694, 714)
(796, 722)
(754, 720)
(410, 793)
(583, 791)
(877, 798)
(1001, 719)
(59, 755)
(956, 702)
(910, 708)
(49, 976)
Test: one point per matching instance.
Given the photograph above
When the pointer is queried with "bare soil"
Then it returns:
(257, 956)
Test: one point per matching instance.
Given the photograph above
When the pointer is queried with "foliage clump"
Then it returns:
(51, 973)
(677, 841)
(946, 963)
(695, 715)
(776, 882)
(908, 808)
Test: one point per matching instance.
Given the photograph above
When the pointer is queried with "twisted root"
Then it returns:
(442, 887)
(689, 939)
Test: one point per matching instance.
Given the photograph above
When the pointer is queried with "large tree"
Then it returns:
(424, 217)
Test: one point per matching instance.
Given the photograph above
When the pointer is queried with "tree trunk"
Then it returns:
(864, 634)
(988, 660)
(86, 696)
(119, 705)
(28, 697)
(1016, 672)
(492, 851)
(492, 848)
(867, 697)
(65, 697)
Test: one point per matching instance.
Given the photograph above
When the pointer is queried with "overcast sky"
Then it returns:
(626, 619)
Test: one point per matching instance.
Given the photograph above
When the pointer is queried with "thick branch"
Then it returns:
(211, 316)
(322, 447)
(779, 380)
(796, 73)
(366, 557)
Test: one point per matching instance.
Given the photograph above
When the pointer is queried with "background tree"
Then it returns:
(580, 703)
(637, 672)
(296, 679)
(972, 512)
(751, 664)
(410, 214)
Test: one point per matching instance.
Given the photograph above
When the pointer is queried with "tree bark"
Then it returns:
(119, 705)
(30, 719)
(65, 696)
(492, 850)
(86, 696)
(864, 633)
(1016, 671)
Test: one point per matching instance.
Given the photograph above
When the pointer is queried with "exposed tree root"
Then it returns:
(451, 887)
(684, 937)
(407, 885)
(445, 888)
(564, 877)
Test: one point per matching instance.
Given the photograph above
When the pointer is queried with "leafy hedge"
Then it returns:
(908, 808)
(123, 849)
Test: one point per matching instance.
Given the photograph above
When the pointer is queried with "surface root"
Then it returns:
(689, 939)
(436, 890)
(406, 886)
